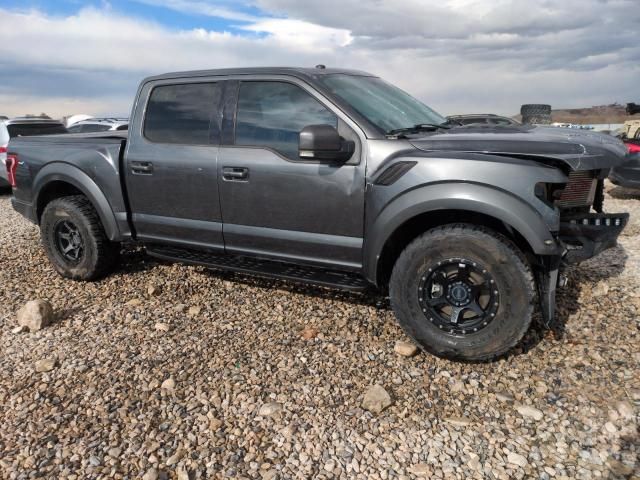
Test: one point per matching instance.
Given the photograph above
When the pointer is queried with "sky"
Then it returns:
(457, 56)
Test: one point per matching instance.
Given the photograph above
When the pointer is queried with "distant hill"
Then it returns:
(614, 113)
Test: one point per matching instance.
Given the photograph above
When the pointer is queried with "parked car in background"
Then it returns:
(628, 174)
(336, 178)
(4, 142)
(92, 125)
(481, 118)
(23, 127)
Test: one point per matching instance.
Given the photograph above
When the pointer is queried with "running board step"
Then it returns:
(263, 268)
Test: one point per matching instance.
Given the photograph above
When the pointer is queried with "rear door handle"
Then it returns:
(235, 173)
(142, 168)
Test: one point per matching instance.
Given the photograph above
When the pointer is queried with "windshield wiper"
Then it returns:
(420, 127)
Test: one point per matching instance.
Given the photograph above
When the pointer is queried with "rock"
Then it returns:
(624, 409)
(531, 412)
(308, 333)
(194, 311)
(180, 308)
(46, 365)
(601, 288)
(134, 303)
(176, 457)
(420, 469)
(270, 474)
(610, 427)
(269, 409)
(376, 399)
(406, 349)
(182, 473)
(169, 384)
(458, 421)
(114, 452)
(94, 461)
(162, 327)
(215, 424)
(517, 459)
(457, 387)
(153, 290)
(619, 469)
(35, 315)
(151, 474)
(504, 397)
(474, 464)
(18, 329)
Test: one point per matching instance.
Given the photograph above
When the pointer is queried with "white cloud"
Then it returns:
(457, 55)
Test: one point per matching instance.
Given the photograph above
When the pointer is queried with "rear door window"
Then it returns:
(272, 114)
(185, 114)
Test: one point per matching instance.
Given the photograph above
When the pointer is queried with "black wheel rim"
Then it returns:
(69, 241)
(458, 296)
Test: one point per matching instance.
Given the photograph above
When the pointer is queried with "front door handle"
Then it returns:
(142, 168)
(235, 173)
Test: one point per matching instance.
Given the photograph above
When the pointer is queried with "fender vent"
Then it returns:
(393, 173)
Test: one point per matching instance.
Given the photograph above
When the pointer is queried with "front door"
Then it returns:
(171, 164)
(276, 204)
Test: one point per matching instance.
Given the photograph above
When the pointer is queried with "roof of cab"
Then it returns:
(293, 71)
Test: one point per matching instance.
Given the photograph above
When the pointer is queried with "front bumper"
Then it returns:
(586, 235)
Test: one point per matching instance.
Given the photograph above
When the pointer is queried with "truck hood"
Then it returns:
(578, 149)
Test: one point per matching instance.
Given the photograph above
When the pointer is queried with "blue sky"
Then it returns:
(458, 56)
(153, 11)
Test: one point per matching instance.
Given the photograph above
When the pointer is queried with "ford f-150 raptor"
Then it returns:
(336, 178)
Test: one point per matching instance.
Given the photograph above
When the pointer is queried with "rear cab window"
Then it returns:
(184, 114)
(29, 129)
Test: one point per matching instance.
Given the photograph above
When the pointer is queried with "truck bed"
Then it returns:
(92, 159)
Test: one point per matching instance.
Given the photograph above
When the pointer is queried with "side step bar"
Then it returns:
(263, 268)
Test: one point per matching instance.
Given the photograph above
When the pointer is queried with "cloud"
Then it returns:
(457, 56)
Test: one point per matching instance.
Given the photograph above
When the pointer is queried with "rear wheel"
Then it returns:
(463, 292)
(75, 241)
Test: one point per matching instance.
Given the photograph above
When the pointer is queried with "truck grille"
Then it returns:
(580, 191)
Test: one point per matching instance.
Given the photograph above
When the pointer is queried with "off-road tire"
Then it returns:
(99, 255)
(536, 114)
(503, 261)
(535, 109)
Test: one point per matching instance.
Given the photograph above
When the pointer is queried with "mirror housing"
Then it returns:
(323, 142)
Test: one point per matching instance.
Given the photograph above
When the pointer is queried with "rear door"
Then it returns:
(274, 203)
(171, 163)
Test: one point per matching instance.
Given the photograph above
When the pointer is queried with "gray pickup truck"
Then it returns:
(335, 178)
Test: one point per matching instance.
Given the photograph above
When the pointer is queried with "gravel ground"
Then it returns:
(226, 376)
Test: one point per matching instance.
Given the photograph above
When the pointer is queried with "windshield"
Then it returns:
(384, 105)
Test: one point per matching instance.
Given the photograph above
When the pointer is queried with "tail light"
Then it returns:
(12, 166)
(633, 148)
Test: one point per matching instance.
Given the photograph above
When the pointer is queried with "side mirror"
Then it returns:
(323, 142)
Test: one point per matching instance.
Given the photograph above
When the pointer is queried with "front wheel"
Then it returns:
(463, 292)
(75, 241)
